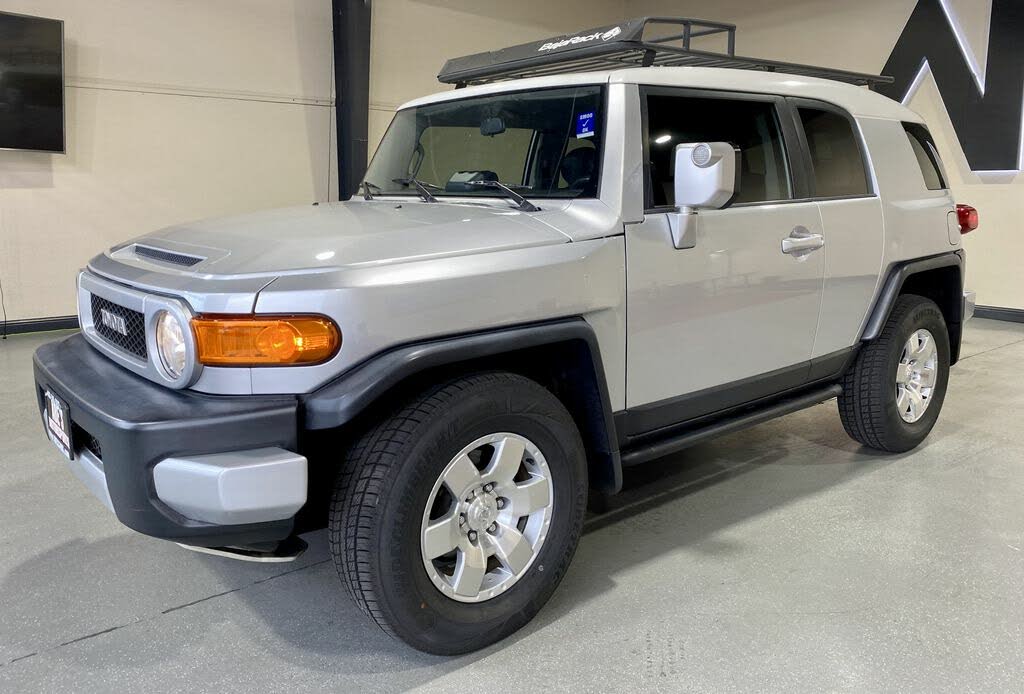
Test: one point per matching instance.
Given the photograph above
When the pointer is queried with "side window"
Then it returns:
(835, 154)
(927, 155)
(753, 126)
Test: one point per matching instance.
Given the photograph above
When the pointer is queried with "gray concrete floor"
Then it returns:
(784, 557)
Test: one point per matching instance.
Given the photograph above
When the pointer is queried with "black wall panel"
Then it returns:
(987, 124)
(352, 90)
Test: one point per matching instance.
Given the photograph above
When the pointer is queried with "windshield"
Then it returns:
(542, 143)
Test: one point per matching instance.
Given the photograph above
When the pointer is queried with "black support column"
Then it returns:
(352, 90)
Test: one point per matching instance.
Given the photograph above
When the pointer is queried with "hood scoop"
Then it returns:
(164, 256)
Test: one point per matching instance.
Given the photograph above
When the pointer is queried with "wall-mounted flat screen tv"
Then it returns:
(31, 83)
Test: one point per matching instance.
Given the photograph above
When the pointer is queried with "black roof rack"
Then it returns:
(629, 44)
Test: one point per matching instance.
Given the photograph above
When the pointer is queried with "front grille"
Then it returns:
(134, 342)
(167, 256)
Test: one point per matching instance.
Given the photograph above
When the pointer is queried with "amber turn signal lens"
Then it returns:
(265, 340)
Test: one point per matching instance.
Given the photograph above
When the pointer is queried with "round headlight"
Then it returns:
(170, 342)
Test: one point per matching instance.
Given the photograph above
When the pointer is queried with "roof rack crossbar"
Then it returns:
(628, 45)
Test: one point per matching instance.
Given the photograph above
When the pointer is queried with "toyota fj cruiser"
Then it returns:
(614, 255)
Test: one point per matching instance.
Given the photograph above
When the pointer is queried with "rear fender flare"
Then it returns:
(894, 283)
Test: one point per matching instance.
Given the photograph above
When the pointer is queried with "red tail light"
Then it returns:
(968, 218)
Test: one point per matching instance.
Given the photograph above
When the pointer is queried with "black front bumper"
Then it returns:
(131, 424)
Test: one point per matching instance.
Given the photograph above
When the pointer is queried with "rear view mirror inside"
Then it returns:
(492, 126)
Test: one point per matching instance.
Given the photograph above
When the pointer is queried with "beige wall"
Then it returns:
(175, 110)
(411, 39)
(191, 108)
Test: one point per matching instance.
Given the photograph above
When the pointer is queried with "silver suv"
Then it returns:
(543, 281)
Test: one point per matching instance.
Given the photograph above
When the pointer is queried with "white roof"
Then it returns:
(859, 101)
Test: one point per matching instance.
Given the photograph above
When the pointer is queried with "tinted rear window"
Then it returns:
(927, 155)
(835, 154)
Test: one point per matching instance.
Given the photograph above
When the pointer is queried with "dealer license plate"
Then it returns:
(58, 424)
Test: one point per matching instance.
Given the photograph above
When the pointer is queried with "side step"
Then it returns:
(285, 551)
(677, 442)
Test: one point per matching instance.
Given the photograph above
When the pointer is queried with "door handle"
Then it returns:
(800, 242)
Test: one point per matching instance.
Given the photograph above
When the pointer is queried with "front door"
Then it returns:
(733, 318)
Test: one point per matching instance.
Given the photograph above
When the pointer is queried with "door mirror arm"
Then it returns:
(683, 222)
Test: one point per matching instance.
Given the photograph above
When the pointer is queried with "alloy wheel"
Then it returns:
(487, 517)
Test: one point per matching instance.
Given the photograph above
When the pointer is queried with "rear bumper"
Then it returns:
(200, 470)
(970, 302)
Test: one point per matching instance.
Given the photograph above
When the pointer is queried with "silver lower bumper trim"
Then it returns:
(89, 470)
(235, 488)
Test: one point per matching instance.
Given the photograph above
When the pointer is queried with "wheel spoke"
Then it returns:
(909, 348)
(529, 496)
(929, 375)
(469, 570)
(903, 400)
(902, 373)
(927, 351)
(916, 403)
(461, 475)
(441, 536)
(922, 345)
(513, 550)
(508, 456)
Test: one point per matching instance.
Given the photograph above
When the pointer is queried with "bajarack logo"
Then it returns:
(610, 34)
(586, 38)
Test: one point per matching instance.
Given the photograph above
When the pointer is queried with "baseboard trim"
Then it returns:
(38, 325)
(1012, 315)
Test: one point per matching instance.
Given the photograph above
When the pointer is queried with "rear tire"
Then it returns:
(893, 393)
(393, 487)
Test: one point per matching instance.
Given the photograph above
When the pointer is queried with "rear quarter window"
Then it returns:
(927, 156)
(836, 158)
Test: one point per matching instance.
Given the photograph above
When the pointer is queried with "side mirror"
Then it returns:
(705, 176)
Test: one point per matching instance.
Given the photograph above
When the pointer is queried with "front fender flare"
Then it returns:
(344, 398)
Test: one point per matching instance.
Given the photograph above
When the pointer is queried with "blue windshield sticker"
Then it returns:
(585, 125)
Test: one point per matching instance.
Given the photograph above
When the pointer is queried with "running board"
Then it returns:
(672, 444)
(287, 550)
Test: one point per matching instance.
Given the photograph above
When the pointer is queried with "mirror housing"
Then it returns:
(705, 175)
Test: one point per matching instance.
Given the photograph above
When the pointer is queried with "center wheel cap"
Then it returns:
(482, 511)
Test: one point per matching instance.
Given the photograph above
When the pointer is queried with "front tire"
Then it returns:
(454, 519)
(892, 395)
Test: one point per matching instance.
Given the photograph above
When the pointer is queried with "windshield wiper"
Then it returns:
(521, 202)
(420, 186)
(366, 190)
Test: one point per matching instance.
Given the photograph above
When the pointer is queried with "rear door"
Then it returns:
(841, 184)
(733, 318)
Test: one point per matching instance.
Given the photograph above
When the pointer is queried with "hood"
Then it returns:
(329, 236)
